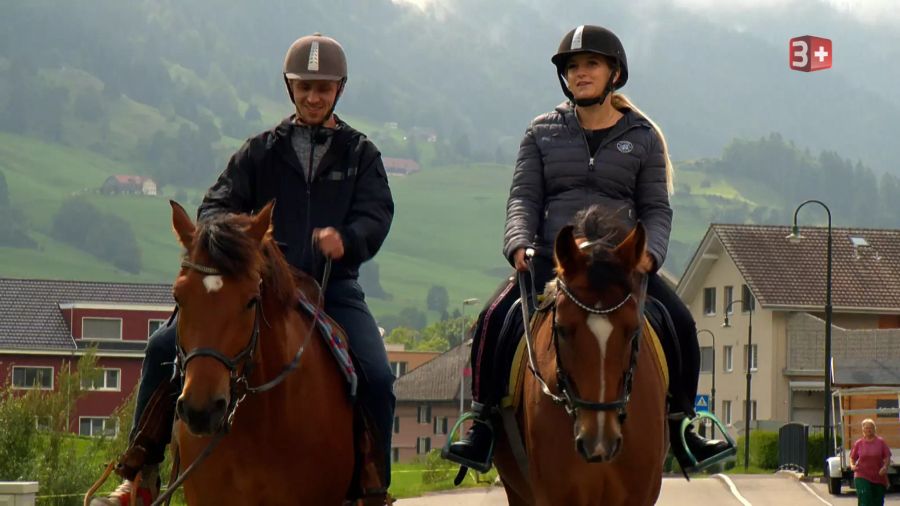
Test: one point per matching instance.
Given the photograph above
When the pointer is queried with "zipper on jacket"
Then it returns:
(603, 143)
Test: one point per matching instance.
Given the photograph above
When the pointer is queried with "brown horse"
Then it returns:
(599, 370)
(238, 328)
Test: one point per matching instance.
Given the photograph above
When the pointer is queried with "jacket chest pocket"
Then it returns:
(339, 174)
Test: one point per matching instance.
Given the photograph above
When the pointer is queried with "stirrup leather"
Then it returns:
(697, 466)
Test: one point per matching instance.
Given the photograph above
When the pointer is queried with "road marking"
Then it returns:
(734, 491)
(816, 494)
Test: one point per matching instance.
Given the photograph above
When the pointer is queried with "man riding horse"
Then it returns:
(333, 200)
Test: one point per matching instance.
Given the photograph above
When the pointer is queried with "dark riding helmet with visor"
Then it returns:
(316, 58)
(597, 40)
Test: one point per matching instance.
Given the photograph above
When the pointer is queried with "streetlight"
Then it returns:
(745, 305)
(795, 238)
(462, 369)
(712, 403)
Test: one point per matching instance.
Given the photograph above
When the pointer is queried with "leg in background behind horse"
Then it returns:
(153, 417)
(684, 389)
(345, 302)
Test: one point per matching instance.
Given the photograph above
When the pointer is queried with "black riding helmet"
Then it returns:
(591, 39)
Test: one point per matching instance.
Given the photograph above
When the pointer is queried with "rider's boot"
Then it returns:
(693, 451)
(476, 448)
(146, 492)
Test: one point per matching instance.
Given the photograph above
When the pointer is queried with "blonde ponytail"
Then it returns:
(620, 101)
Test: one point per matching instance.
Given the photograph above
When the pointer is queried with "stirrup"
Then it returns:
(465, 464)
(693, 465)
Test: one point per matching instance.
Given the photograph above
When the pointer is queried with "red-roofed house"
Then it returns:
(400, 166)
(784, 283)
(139, 185)
(46, 325)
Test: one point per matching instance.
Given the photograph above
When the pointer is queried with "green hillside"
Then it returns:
(447, 231)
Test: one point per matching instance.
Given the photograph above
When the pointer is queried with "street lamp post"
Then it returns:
(712, 403)
(795, 237)
(462, 369)
(749, 306)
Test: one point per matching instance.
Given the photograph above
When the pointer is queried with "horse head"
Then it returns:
(596, 329)
(219, 292)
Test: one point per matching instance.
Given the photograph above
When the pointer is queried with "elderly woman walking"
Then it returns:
(869, 460)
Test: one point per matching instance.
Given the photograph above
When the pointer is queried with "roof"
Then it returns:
(866, 372)
(129, 179)
(30, 317)
(786, 274)
(401, 164)
(437, 379)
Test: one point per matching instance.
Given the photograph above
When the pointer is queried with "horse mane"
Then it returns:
(223, 237)
(604, 227)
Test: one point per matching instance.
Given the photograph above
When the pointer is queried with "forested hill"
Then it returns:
(172, 86)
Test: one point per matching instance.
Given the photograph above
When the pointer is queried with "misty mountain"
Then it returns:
(475, 71)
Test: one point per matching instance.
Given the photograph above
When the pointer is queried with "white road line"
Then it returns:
(734, 491)
(816, 494)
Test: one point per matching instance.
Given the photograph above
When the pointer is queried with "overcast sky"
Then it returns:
(868, 11)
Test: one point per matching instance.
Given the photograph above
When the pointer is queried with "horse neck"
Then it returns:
(282, 332)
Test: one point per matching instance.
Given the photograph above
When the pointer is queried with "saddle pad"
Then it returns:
(335, 340)
(520, 363)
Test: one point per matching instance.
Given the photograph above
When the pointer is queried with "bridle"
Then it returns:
(567, 396)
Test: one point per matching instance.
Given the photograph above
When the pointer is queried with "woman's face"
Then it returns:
(587, 75)
(868, 430)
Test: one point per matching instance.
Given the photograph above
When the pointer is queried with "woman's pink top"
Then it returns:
(871, 455)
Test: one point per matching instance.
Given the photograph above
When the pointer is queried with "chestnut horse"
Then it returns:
(238, 328)
(599, 369)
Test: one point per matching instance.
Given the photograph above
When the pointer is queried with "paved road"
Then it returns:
(755, 490)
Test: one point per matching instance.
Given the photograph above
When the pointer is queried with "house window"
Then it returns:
(886, 404)
(153, 326)
(726, 412)
(440, 425)
(399, 368)
(32, 377)
(727, 359)
(108, 379)
(709, 301)
(754, 359)
(423, 445)
(706, 359)
(752, 410)
(424, 414)
(101, 328)
(749, 302)
(97, 426)
(396, 425)
(729, 298)
(395, 455)
(43, 423)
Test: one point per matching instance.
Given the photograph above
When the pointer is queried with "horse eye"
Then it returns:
(253, 302)
(563, 332)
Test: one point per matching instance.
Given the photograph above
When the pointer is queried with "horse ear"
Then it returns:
(182, 224)
(568, 256)
(631, 250)
(262, 222)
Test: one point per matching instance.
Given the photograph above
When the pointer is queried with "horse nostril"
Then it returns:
(579, 445)
(219, 406)
(616, 446)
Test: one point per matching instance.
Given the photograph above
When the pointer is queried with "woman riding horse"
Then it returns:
(594, 148)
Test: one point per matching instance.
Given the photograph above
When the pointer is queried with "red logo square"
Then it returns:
(809, 53)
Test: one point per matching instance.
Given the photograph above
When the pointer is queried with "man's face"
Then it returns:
(314, 99)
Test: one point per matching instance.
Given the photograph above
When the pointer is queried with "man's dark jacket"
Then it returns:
(349, 191)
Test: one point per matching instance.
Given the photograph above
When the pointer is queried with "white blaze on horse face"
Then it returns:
(602, 329)
(213, 283)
